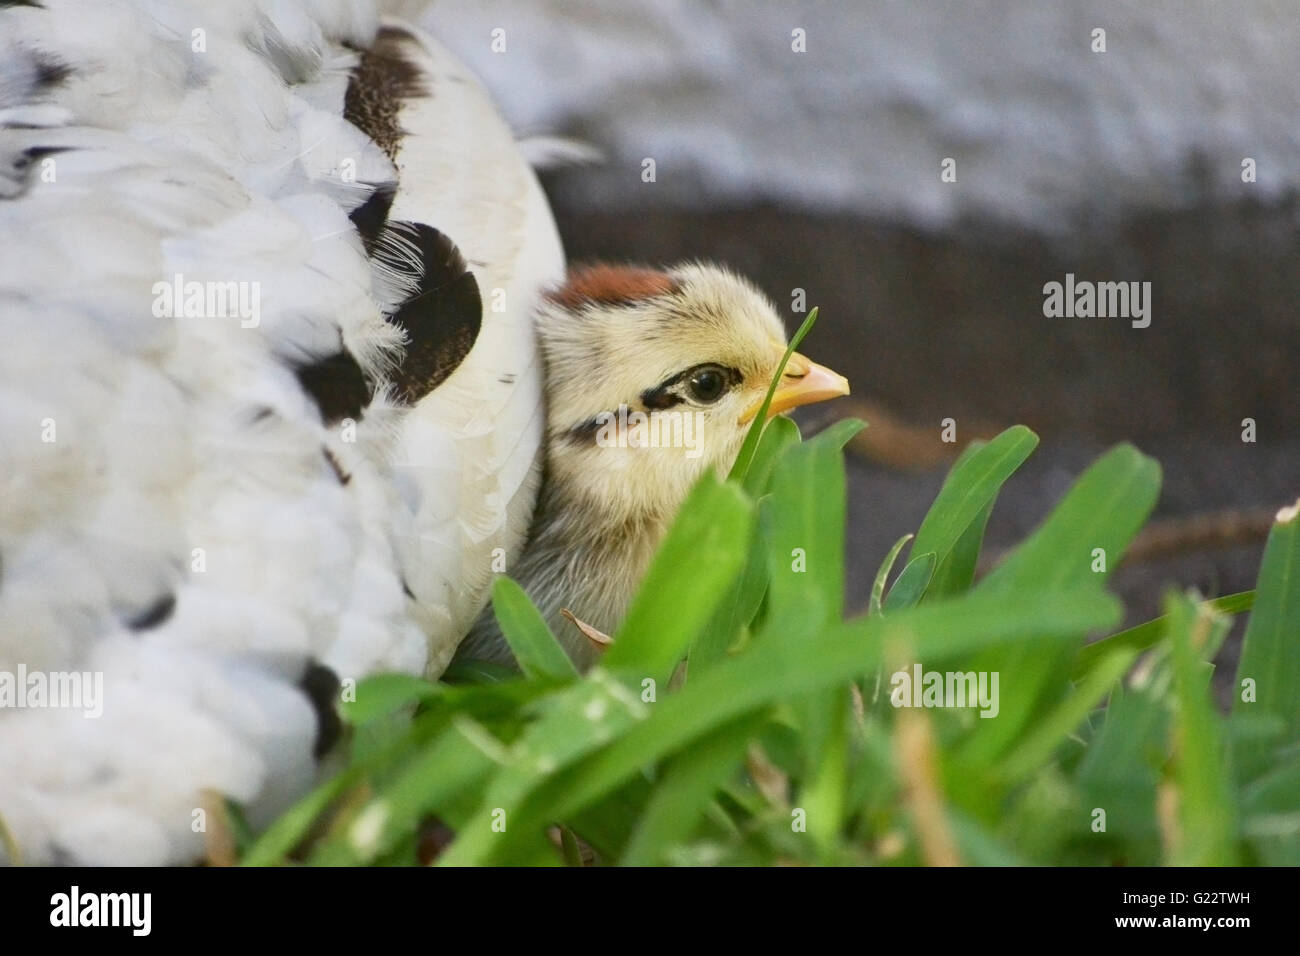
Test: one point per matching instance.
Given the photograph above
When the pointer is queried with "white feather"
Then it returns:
(147, 455)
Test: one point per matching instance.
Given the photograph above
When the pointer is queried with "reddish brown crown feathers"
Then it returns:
(605, 284)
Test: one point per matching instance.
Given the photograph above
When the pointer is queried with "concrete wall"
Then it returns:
(1046, 133)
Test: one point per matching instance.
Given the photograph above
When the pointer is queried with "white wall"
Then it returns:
(1043, 129)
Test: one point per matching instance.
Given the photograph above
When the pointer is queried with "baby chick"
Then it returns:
(653, 378)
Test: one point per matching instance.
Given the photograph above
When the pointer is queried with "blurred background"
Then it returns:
(821, 170)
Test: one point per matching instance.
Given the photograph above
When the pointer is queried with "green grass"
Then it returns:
(740, 718)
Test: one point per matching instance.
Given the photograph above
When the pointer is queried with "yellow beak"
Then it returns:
(803, 383)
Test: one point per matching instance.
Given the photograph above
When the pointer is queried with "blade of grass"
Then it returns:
(289, 829)
(956, 573)
(1119, 774)
(773, 671)
(1206, 830)
(1271, 806)
(1103, 510)
(696, 565)
(911, 584)
(579, 720)
(803, 521)
(970, 489)
(1037, 747)
(470, 671)
(386, 694)
(734, 612)
(1270, 653)
(535, 648)
(459, 758)
(750, 445)
(780, 434)
(684, 790)
(1144, 636)
(882, 574)
(822, 795)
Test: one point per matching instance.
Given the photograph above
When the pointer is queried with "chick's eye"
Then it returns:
(707, 384)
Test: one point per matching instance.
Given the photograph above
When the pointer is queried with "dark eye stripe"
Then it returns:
(667, 393)
(584, 433)
(661, 396)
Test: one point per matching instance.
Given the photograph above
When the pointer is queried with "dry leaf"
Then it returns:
(599, 638)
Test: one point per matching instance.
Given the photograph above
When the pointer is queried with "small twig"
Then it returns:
(770, 779)
(895, 443)
(1210, 531)
(918, 766)
(218, 835)
(1172, 537)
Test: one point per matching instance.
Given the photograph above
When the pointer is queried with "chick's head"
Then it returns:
(653, 377)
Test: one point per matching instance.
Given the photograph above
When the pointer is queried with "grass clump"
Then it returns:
(739, 718)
